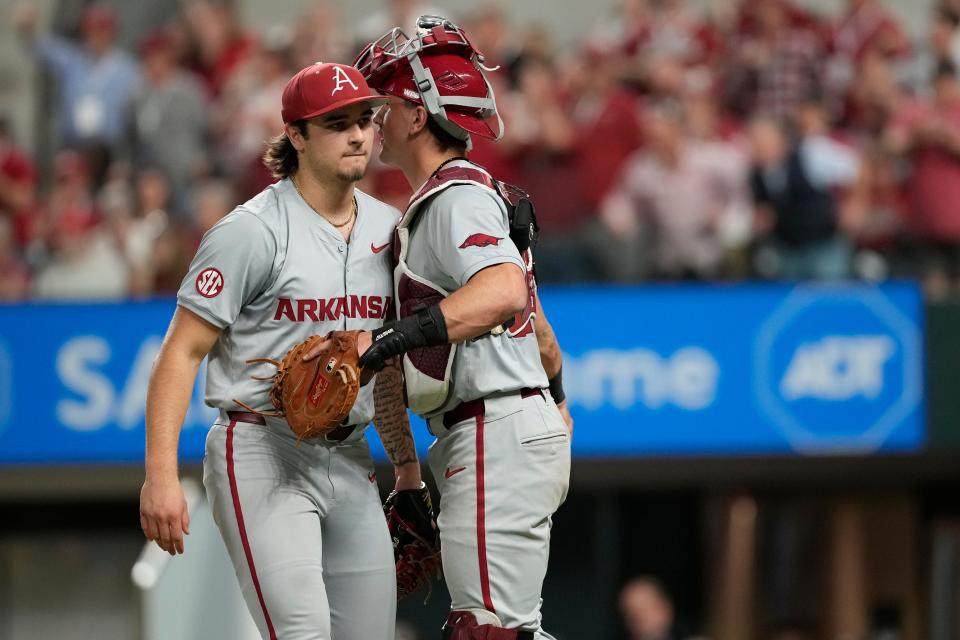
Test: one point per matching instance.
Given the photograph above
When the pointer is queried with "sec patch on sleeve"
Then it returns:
(480, 240)
(209, 283)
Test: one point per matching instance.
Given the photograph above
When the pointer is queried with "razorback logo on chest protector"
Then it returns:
(428, 370)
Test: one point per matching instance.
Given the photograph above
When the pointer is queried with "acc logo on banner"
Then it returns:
(823, 356)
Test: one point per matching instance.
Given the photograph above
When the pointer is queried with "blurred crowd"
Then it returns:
(751, 140)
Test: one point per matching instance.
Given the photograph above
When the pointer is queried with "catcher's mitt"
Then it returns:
(317, 395)
(416, 540)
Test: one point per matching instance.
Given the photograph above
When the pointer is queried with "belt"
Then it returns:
(475, 408)
(338, 434)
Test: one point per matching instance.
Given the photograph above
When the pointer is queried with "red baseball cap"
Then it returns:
(323, 87)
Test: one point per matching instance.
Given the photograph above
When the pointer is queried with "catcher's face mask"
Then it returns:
(439, 69)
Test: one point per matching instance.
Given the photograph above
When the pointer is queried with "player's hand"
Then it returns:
(363, 343)
(364, 340)
(317, 350)
(567, 418)
(163, 513)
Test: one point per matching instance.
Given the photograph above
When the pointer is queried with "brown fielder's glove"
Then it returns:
(317, 395)
(416, 541)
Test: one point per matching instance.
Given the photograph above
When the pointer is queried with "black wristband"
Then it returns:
(432, 324)
(556, 387)
(425, 328)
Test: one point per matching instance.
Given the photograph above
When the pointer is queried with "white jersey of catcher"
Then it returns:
(502, 455)
(454, 234)
(272, 273)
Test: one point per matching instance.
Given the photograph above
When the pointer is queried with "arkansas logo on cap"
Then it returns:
(480, 240)
(324, 87)
(341, 79)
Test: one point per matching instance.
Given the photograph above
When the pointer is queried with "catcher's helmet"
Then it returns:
(440, 69)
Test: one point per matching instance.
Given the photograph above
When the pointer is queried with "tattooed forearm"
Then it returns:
(391, 419)
(550, 355)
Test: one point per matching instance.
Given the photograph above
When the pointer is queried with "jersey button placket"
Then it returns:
(343, 249)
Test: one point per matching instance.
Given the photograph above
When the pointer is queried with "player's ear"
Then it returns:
(295, 135)
(419, 120)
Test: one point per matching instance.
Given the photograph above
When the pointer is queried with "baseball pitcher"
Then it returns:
(287, 470)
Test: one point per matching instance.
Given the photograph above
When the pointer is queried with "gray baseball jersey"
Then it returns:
(462, 230)
(272, 273)
(302, 521)
(502, 466)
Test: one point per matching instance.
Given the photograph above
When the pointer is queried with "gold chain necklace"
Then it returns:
(338, 225)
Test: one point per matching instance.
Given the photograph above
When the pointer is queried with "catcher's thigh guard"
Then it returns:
(479, 624)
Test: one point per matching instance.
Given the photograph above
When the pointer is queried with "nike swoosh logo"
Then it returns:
(377, 249)
(372, 476)
(449, 473)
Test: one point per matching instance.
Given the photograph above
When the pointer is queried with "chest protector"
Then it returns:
(428, 370)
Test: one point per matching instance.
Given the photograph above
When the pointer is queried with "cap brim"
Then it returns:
(374, 100)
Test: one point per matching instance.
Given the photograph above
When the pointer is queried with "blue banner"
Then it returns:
(660, 370)
(746, 369)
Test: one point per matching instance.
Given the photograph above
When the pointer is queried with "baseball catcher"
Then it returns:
(480, 363)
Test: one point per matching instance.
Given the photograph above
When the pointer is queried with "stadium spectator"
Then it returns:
(594, 131)
(873, 99)
(490, 32)
(18, 184)
(14, 274)
(95, 81)
(402, 13)
(675, 27)
(942, 46)
(624, 33)
(647, 610)
(171, 128)
(172, 252)
(212, 200)
(218, 45)
(85, 264)
(249, 114)
(671, 201)
(606, 123)
(772, 70)
(929, 133)
(866, 27)
(133, 233)
(70, 196)
(797, 215)
(319, 34)
(542, 139)
(80, 259)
